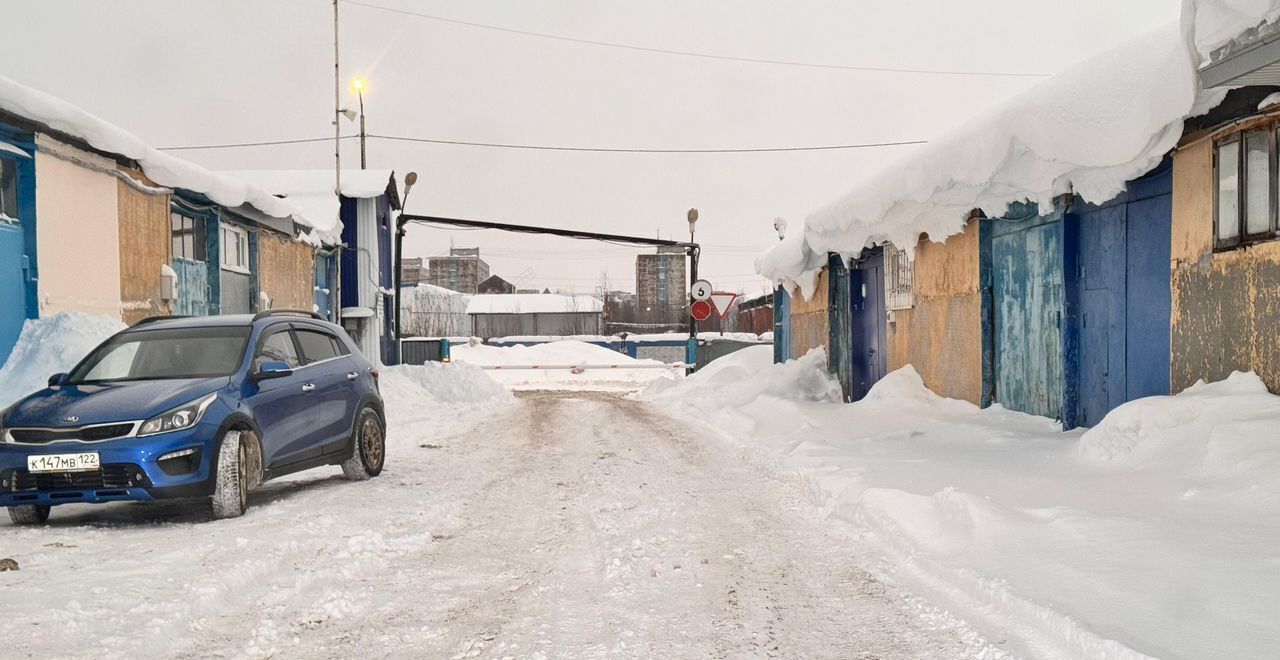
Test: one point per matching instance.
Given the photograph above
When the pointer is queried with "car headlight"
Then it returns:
(182, 417)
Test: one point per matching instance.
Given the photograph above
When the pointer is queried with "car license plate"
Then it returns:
(83, 462)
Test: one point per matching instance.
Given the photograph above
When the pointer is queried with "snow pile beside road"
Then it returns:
(1153, 534)
(409, 385)
(560, 366)
(740, 378)
(48, 346)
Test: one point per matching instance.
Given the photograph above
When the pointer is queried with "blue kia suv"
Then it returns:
(194, 407)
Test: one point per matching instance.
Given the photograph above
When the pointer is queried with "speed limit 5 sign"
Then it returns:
(701, 290)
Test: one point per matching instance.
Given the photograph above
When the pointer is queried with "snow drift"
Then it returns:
(1152, 534)
(48, 346)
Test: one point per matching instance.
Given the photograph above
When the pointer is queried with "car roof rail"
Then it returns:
(287, 312)
(162, 317)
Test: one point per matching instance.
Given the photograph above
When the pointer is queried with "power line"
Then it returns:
(267, 143)
(685, 53)
(547, 147)
(632, 150)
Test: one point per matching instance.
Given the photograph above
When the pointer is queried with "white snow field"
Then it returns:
(554, 525)
(560, 366)
(1153, 534)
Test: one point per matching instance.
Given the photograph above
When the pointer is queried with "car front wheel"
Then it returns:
(231, 485)
(369, 447)
(29, 514)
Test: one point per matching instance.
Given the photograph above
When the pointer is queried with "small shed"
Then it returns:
(535, 314)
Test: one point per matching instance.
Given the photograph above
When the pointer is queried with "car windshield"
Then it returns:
(160, 353)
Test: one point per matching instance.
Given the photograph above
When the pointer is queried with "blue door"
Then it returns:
(781, 325)
(326, 266)
(193, 287)
(867, 324)
(1027, 306)
(1124, 296)
(285, 411)
(17, 272)
(839, 323)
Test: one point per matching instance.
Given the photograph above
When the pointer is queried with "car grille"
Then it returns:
(86, 434)
(109, 476)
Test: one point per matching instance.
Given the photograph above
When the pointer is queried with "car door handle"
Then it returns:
(308, 387)
(353, 375)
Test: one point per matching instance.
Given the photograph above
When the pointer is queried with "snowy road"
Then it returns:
(567, 526)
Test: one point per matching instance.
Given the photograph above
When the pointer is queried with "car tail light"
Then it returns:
(374, 373)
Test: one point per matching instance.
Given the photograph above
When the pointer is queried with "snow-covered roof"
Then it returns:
(533, 303)
(311, 191)
(1215, 23)
(162, 168)
(1086, 130)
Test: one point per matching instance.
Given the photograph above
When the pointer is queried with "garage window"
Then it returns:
(8, 190)
(1245, 188)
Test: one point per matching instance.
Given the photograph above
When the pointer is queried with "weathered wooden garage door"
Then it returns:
(867, 317)
(1124, 297)
(1027, 298)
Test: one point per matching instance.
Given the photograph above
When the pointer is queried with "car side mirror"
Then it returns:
(56, 379)
(272, 369)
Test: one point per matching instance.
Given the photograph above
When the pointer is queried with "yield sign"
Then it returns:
(722, 302)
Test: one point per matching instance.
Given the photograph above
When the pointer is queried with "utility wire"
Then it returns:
(547, 147)
(685, 53)
(268, 143)
(626, 150)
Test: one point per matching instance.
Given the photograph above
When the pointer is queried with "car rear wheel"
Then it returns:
(29, 514)
(231, 488)
(369, 447)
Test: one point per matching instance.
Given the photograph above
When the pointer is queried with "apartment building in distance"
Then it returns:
(462, 271)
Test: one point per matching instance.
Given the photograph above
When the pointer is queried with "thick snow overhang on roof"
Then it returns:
(170, 171)
(534, 303)
(1086, 130)
(311, 192)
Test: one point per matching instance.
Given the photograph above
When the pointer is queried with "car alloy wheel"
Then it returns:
(372, 447)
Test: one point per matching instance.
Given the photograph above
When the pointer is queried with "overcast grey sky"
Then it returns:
(181, 72)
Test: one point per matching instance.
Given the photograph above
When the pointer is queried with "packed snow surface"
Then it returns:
(533, 303)
(1152, 534)
(553, 526)
(160, 167)
(1087, 130)
(50, 345)
(561, 365)
(311, 191)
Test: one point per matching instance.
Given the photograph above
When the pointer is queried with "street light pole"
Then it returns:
(692, 353)
(358, 83)
(337, 110)
(409, 179)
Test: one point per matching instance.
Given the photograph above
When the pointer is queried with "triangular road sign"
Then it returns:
(722, 302)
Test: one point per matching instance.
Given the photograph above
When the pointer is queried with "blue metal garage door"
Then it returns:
(867, 319)
(1124, 296)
